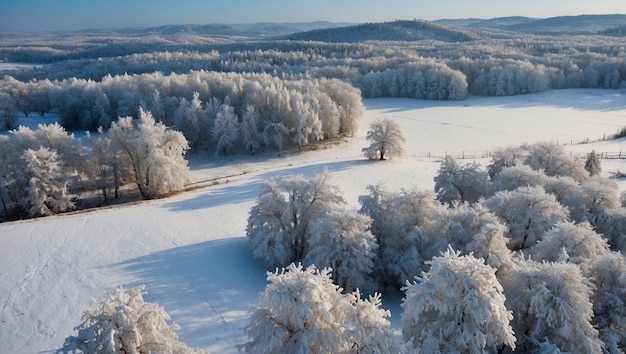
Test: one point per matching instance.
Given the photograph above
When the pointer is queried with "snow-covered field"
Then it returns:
(190, 250)
(17, 66)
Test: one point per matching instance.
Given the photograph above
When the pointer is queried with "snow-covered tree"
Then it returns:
(250, 136)
(551, 303)
(555, 161)
(8, 112)
(593, 198)
(156, 154)
(274, 134)
(456, 307)
(125, 323)
(511, 178)
(279, 223)
(528, 212)
(192, 120)
(226, 130)
(47, 191)
(308, 126)
(368, 329)
(592, 164)
(505, 157)
(302, 311)
(470, 229)
(340, 239)
(562, 187)
(568, 242)
(460, 183)
(608, 274)
(395, 216)
(386, 140)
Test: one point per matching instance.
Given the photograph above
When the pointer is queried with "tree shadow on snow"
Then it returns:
(234, 193)
(207, 288)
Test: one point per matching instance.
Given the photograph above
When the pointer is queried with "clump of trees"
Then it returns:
(47, 171)
(224, 112)
(532, 256)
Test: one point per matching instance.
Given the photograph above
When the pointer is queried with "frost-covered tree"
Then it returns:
(551, 303)
(8, 112)
(460, 183)
(226, 130)
(47, 191)
(562, 187)
(505, 157)
(612, 225)
(278, 227)
(103, 168)
(155, 153)
(470, 229)
(608, 274)
(513, 177)
(341, 240)
(125, 323)
(192, 120)
(395, 216)
(250, 136)
(456, 307)
(592, 164)
(368, 329)
(555, 161)
(308, 126)
(568, 242)
(528, 212)
(386, 139)
(593, 198)
(274, 134)
(300, 311)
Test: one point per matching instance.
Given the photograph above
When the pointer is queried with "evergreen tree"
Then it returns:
(592, 164)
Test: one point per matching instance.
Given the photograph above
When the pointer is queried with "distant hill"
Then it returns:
(387, 31)
(497, 23)
(583, 24)
(221, 30)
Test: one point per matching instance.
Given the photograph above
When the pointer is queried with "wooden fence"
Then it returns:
(461, 155)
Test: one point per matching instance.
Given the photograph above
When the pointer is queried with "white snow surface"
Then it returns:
(190, 250)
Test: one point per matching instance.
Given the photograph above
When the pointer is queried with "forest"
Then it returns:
(228, 95)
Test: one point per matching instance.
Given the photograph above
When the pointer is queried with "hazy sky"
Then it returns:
(33, 15)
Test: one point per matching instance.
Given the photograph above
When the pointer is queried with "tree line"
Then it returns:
(222, 111)
(47, 170)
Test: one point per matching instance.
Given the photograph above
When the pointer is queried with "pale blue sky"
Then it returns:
(34, 15)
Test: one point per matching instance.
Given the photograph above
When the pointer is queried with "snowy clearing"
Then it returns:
(190, 250)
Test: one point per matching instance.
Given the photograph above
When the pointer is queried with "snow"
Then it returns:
(190, 250)
(18, 66)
